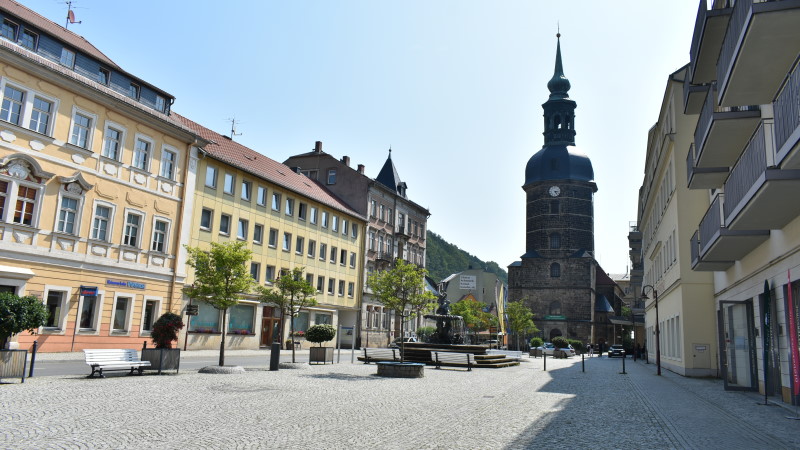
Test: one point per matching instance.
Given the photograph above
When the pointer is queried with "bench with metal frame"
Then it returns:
(453, 359)
(113, 360)
(378, 354)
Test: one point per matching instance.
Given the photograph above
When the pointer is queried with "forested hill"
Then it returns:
(445, 259)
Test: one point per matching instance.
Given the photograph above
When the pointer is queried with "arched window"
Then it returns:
(558, 122)
(555, 270)
(555, 308)
(555, 241)
(22, 183)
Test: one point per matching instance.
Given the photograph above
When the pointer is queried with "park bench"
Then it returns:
(378, 354)
(453, 359)
(113, 359)
(513, 354)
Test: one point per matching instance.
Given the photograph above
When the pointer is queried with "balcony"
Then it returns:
(759, 195)
(722, 133)
(760, 46)
(709, 32)
(703, 265)
(703, 177)
(693, 96)
(402, 232)
(787, 122)
(717, 244)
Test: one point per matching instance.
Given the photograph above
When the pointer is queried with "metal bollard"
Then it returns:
(544, 355)
(144, 345)
(33, 358)
(583, 364)
(623, 365)
(274, 356)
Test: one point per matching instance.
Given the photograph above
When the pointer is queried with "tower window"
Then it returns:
(555, 240)
(554, 207)
(555, 308)
(555, 270)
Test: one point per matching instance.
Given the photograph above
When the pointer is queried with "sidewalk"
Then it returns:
(75, 356)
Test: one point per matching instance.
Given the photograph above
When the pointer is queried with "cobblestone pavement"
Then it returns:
(347, 406)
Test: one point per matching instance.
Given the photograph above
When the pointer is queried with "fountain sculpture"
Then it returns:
(449, 328)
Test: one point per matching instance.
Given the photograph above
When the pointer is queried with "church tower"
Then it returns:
(556, 275)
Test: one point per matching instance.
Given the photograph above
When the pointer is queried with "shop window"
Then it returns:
(300, 322)
(119, 324)
(149, 315)
(206, 320)
(55, 307)
(241, 319)
(323, 319)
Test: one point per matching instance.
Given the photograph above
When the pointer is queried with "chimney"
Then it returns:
(296, 169)
(361, 169)
(318, 147)
(346, 160)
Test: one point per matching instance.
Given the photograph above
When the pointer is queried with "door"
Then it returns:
(737, 345)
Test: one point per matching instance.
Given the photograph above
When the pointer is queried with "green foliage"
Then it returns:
(576, 344)
(474, 317)
(444, 259)
(19, 314)
(401, 288)
(291, 293)
(165, 330)
(560, 342)
(320, 333)
(425, 333)
(520, 318)
(536, 342)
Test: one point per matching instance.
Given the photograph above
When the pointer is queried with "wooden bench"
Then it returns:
(113, 359)
(512, 354)
(453, 359)
(378, 354)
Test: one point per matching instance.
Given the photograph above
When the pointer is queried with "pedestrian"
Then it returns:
(637, 352)
(590, 349)
(602, 347)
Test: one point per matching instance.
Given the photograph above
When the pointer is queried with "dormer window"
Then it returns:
(9, 30)
(160, 103)
(134, 91)
(67, 58)
(29, 39)
(104, 76)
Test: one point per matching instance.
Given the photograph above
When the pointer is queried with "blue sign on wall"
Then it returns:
(89, 291)
(127, 284)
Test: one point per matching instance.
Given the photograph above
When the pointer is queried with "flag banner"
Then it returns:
(793, 338)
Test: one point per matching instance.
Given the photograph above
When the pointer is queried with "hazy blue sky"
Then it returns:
(454, 87)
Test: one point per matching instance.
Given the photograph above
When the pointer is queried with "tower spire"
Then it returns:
(559, 84)
(559, 110)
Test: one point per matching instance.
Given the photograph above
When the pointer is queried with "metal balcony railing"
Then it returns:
(757, 156)
(787, 108)
(694, 247)
(735, 25)
(704, 121)
(712, 220)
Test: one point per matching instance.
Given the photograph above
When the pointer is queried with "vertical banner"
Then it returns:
(795, 351)
(766, 335)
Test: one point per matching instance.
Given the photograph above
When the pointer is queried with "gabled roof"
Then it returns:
(237, 155)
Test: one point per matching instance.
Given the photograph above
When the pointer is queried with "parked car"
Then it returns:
(616, 350)
(397, 341)
(548, 349)
(491, 343)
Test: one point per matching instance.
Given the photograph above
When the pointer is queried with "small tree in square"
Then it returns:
(221, 275)
(18, 314)
(520, 319)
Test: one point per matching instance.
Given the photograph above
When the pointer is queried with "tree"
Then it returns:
(400, 288)
(18, 314)
(520, 319)
(320, 333)
(475, 318)
(291, 293)
(221, 275)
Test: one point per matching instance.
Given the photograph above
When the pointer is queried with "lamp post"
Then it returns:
(658, 333)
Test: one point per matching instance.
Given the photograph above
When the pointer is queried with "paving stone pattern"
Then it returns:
(345, 406)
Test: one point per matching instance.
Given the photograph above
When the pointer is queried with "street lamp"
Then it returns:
(658, 332)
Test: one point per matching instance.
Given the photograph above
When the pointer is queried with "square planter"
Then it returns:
(320, 355)
(13, 363)
(162, 358)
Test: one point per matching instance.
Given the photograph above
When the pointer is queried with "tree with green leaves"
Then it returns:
(402, 288)
(291, 293)
(18, 314)
(520, 319)
(475, 318)
(221, 276)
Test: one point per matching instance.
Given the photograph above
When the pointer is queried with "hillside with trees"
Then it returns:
(445, 259)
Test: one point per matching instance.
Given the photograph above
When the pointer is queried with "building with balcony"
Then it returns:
(93, 177)
(746, 159)
(396, 228)
(659, 245)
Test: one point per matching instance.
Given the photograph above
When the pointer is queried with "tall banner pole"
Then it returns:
(795, 351)
(767, 337)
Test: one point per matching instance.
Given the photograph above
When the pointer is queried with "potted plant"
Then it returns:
(560, 342)
(165, 332)
(536, 347)
(17, 314)
(319, 334)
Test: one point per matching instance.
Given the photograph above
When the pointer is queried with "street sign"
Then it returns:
(191, 310)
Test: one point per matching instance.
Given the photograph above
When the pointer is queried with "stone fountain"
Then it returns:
(450, 329)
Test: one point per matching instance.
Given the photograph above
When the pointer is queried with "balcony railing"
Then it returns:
(787, 110)
(694, 248)
(757, 156)
(712, 221)
(704, 30)
(731, 40)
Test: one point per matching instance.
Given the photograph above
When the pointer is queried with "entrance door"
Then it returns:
(737, 345)
(270, 327)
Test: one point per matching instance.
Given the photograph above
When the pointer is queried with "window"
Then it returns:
(103, 76)
(29, 39)
(101, 222)
(241, 319)
(119, 323)
(141, 154)
(352, 259)
(323, 319)
(320, 283)
(555, 241)
(343, 257)
(81, 129)
(312, 246)
(9, 30)
(160, 103)
(323, 251)
(270, 276)
(554, 207)
(112, 143)
(258, 233)
(299, 244)
(310, 279)
(228, 187)
(334, 223)
(211, 176)
(247, 190)
(206, 320)
(334, 254)
(241, 229)
(390, 216)
(324, 219)
(345, 228)
(555, 308)
(12, 105)
(149, 315)
(301, 211)
(372, 240)
(351, 287)
(382, 215)
(261, 198)
(255, 270)
(55, 306)
(206, 219)
(160, 228)
(287, 241)
(289, 206)
(313, 215)
(273, 237)
(555, 270)
(88, 311)
(40, 115)
(133, 223)
(355, 230)
(331, 284)
(341, 288)
(224, 224)
(300, 322)
(276, 201)
(373, 208)
(134, 90)
(66, 215)
(168, 164)
(67, 58)
(331, 176)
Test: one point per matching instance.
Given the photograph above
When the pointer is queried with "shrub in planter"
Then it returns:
(320, 333)
(560, 342)
(576, 344)
(165, 330)
(536, 342)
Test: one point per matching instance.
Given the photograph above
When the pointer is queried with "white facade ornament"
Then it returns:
(18, 170)
(110, 169)
(139, 178)
(20, 237)
(74, 188)
(158, 261)
(98, 250)
(166, 187)
(36, 145)
(65, 244)
(7, 136)
(129, 256)
(78, 159)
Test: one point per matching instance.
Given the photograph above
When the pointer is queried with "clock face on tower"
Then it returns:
(554, 191)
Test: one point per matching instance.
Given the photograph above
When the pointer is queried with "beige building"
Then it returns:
(484, 287)
(744, 81)
(92, 180)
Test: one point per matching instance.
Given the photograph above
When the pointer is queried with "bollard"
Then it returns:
(274, 356)
(623, 366)
(544, 355)
(33, 358)
(583, 364)
(144, 345)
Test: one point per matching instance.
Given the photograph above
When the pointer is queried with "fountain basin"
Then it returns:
(401, 370)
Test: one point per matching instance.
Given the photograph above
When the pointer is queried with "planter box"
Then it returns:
(162, 358)
(536, 353)
(560, 354)
(13, 364)
(320, 355)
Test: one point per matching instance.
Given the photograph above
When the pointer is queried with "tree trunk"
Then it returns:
(222, 340)
(291, 328)
(402, 339)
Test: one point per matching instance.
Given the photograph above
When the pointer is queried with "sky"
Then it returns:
(453, 87)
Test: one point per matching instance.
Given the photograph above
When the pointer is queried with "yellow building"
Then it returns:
(92, 171)
(288, 221)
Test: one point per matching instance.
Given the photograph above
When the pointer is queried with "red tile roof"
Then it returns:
(231, 152)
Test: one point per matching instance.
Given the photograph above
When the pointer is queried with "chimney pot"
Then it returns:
(318, 147)
(346, 160)
(361, 169)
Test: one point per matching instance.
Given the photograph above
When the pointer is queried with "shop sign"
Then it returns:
(127, 284)
(191, 310)
(89, 291)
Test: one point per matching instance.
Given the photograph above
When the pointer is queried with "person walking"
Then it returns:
(590, 349)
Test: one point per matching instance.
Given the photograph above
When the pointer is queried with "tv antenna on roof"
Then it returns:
(234, 122)
(70, 15)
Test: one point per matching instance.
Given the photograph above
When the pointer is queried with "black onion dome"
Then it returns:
(558, 162)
